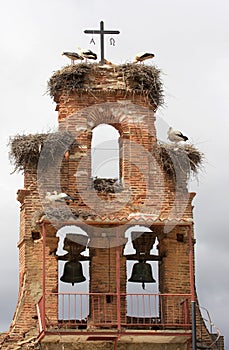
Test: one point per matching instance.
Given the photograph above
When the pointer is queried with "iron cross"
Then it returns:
(102, 32)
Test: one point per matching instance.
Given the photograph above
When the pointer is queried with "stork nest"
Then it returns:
(135, 78)
(69, 78)
(179, 160)
(105, 185)
(27, 150)
(145, 79)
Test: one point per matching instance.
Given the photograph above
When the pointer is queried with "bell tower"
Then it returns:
(75, 227)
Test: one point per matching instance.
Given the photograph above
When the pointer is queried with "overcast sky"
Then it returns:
(190, 40)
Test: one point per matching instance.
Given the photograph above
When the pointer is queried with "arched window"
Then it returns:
(141, 299)
(105, 152)
(73, 299)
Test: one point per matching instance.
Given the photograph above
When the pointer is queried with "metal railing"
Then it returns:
(82, 310)
(210, 325)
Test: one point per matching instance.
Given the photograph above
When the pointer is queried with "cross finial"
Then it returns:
(102, 32)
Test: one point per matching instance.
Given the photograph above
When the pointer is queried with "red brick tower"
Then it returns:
(151, 192)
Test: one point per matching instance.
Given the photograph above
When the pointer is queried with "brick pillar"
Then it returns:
(107, 280)
(174, 274)
(51, 275)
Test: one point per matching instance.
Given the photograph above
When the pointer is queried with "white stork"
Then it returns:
(176, 136)
(87, 54)
(58, 197)
(142, 56)
(73, 56)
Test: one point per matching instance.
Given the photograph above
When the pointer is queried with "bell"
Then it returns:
(142, 273)
(73, 273)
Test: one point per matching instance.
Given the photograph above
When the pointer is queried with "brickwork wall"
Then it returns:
(151, 192)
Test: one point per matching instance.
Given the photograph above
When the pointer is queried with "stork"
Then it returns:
(142, 56)
(73, 56)
(87, 54)
(58, 197)
(176, 136)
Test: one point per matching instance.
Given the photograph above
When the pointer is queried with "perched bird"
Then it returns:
(58, 197)
(87, 54)
(142, 56)
(73, 56)
(176, 136)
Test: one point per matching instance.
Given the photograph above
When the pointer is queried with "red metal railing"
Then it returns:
(80, 310)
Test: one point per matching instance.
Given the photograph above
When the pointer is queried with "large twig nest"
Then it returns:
(179, 160)
(107, 185)
(92, 77)
(69, 78)
(27, 150)
(145, 79)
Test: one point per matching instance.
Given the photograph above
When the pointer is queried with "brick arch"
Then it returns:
(116, 126)
(121, 114)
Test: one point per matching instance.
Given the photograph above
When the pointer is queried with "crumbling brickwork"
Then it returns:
(148, 198)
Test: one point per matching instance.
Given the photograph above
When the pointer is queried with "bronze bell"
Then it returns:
(142, 273)
(73, 273)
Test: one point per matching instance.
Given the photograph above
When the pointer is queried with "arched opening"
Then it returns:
(73, 274)
(105, 162)
(142, 288)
